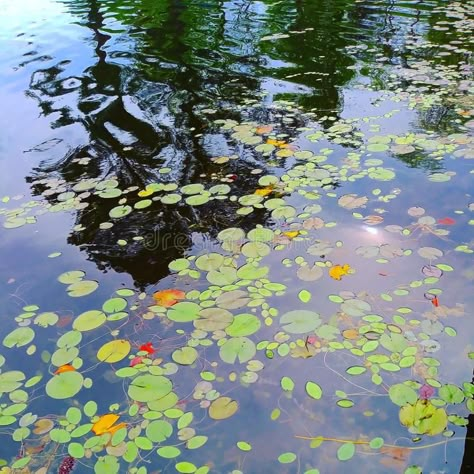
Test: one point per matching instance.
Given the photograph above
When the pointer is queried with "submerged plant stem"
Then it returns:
(359, 441)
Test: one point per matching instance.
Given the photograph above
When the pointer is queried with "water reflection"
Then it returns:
(139, 84)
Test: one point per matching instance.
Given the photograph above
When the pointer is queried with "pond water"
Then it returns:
(236, 236)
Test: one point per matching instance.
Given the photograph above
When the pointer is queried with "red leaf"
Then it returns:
(148, 347)
(446, 221)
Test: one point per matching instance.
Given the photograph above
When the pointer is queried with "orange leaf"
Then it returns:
(264, 129)
(338, 271)
(350, 334)
(264, 191)
(168, 298)
(104, 424)
(64, 368)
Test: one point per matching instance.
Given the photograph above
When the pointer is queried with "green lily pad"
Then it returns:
(184, 312)
(300, 321)
(243, 325)
(120, 211)
(64, 385)
(82, 288)
(19, 337)
(89, 320)
(240, 348)
(159, 430)
(146, 388)
(185, 355)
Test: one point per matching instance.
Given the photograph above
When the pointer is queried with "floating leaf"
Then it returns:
(313, 390)
(185, 467)
(430, 253)
(146, 388)
(300, 321)
(82, 288)
(167, 298)
(114, 351)
(19, 337)
(222, 408)
(184, 312)
(287, 384)
(401, 394)
(89, 321)
(287, 458)
(243, 325)
(120, 211)
(213, 319)
(423, 418)
(337, 271)
(305, 296)
(307, 273)
(105, 424)
(346, 451)
(64, 385)
(352, 201)
(241, 348)
(158, 431)
(64, 368)
(185, 355)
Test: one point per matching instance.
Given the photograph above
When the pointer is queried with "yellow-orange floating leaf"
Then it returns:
(264, 191)
(279, 143)
(338, 271)
(291, 234)
(104, 423)
(168, 298)
(64, 368)
(145, 193)
(350, 334)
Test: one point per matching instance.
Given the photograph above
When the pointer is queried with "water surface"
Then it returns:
(344, 128)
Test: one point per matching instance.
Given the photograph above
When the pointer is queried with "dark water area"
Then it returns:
(299, 173)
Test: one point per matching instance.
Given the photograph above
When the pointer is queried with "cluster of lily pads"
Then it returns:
(231, 328)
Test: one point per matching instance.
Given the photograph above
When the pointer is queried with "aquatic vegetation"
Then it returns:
(321, 288)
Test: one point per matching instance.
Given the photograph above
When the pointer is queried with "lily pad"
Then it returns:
(146, 388)
(241, 348)
(65, 385)
(300, 321)
(222, 408)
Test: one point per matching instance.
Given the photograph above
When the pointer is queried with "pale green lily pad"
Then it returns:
(241, 348)
(114, 305)
(171, 198)
(89, 320)
(184, 312)
(158, 431)
(19, 337)
(185, 355)
(243, 325)
(71, 277)
(211, 261)
(82, 288)
(120, 211)
(64, 385)
(300, 321)
(146, 388)
(197, 200)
